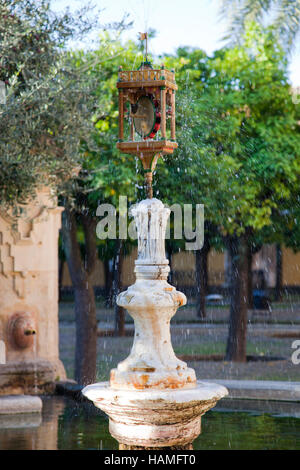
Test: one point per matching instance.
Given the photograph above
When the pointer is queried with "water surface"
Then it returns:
(234, 424)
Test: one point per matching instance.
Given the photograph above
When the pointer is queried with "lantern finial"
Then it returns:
(144, 37)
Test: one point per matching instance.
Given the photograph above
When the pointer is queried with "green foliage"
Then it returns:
(106, 174)
(283, 15)
(109, 173)
(47, 103)
(238, 134)
(236, 123)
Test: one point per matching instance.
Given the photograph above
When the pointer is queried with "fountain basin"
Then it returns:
(32, 377)
(155, 418)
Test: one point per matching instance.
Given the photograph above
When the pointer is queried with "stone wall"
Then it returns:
(29, 295)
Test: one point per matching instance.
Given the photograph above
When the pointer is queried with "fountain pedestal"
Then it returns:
(153, 399)
(155, 418)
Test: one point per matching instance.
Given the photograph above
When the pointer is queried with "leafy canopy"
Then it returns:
(238, 134)
(47, 99)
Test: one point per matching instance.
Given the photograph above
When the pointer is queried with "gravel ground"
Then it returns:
(201, 339)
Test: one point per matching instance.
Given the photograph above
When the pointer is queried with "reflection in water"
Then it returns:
(19, 431)
(66, 424)
(63, 424)
(83, 426)
(32, 431)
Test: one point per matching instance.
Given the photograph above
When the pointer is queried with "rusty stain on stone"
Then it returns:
(143, 369)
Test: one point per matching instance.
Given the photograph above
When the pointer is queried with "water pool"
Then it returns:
(69, 425)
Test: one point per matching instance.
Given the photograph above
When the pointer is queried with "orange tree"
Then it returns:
(238, 152)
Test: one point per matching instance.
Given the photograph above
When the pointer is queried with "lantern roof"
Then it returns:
(147, 76)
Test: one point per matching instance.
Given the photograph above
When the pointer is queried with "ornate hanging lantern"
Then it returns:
(147, 99)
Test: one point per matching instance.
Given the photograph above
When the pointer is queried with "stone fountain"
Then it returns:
(153, 399)
(29, 355)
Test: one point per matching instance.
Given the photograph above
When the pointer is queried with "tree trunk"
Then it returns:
(278, 289)
(86, 334)
(249, 280)
(236, 342)
(228, 267)
(108, 283)
(119, 311)
(202, 278)
(85, 306)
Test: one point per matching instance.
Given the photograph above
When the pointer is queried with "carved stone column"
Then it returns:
(153, 399)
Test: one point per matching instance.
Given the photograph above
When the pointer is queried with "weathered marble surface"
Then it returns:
(155, 418)
(152, 362)
(152, 302)
(37, 377)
